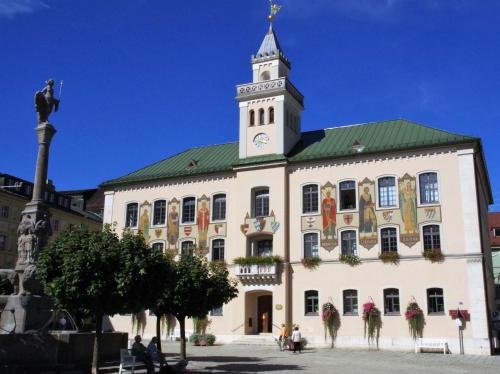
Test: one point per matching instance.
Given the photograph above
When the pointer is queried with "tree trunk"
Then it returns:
(158, 331)
(182, 325)
(97, 343)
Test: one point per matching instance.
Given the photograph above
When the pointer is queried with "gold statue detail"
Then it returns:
(275, 8)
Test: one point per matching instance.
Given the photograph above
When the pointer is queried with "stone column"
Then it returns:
(45, 132)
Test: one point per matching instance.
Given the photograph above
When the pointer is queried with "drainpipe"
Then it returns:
(287, 271)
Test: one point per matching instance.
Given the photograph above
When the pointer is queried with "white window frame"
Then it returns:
(360, 305)
(302, 238)
(212, 207)
(210, 254)
(388, 226)
(304, 303)
(161, 242)
(445, 307)
(391, 314)
(252, 205)
(125, 215)
(218, 315)
(182, 211)
(430, 223)
(189, 239)
(419, 203)
(348, 228)
(356, 190)
(302, 199)
(493, 231)
(164, 224)
(377, 198)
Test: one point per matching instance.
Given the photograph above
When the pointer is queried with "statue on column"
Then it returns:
(45, 101)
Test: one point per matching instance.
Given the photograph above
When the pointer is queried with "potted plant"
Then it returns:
(389, 257)
(257, 260)
(415, 317)
(351, 260)
(372, 322)
(311, 262)
(331, 321)
(433, 255)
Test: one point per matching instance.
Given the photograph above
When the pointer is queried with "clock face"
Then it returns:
(260, 140)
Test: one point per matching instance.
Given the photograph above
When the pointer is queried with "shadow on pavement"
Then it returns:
(248, 368)
(224, 359)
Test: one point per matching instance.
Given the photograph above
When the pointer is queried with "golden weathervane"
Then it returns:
(275, 8)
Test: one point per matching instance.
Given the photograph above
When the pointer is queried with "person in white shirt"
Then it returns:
(296, 339)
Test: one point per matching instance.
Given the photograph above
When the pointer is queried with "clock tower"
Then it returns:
(270, 106)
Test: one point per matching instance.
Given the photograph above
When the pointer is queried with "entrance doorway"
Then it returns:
(265, 313)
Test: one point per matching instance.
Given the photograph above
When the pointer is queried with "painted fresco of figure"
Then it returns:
(173, 226)
(367, 217)
(144, 224)
(202, 221)
(328, 210)
(407, 201)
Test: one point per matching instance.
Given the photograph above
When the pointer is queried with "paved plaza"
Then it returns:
(264, 359)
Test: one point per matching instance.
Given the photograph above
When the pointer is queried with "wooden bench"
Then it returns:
(440, 344)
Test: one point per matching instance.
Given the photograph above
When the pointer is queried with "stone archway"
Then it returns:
(258, 312)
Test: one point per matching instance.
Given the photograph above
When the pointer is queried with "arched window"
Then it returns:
(389, 239)
(159, 212)
(432, 238)
(435, 301)
(218, 250)
(252, 117)
(391, 301)
(350, 298)
(271, 115)
(265, 76)
(261, 117)
(311, 303)
(131, 215)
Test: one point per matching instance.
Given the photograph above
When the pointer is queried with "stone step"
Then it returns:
(262, 339)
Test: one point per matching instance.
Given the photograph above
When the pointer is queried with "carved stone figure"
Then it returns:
(42, 232)
(31, 285)
(25, 241)
(45, 102)
(10, 280)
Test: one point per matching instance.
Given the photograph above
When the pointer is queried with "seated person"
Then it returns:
(154, 353)
(141, 354)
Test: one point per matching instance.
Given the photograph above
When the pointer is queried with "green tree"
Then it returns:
(100, 273)
(199, 287)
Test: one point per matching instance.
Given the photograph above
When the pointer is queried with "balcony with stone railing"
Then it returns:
(258, 270)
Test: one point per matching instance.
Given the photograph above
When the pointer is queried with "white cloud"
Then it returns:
(12, 8)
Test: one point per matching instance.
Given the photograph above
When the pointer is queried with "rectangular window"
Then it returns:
(160, 212)
(311, 245)
(217, 312)
(157, 247)
(387, 192)
(219, 207)
(435, 301)
(187, 248)
(350, 298)
(432, 238)
(132, 213)
(348, 242)
(496, 232)
(218, 250)
(264, 248)
(188, 209)
(391, 301)
(389, 238)
(429, 192)
(56, 225)
(261, 203)
(310, 198)
(311, 301)
(347, 195)
(3, 242)
(4, 211)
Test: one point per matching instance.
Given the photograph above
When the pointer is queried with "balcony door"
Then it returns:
(265, 314)
(263, 247)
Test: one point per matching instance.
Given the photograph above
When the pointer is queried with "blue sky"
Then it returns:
(145, 79)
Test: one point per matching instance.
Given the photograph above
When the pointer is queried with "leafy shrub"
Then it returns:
(389, 257)
(208, 338)
(352, 260)
(311, 262)
(433, 255)
(256, 260)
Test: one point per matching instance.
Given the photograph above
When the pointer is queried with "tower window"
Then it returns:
(261, 117)
(265, 76)
(271, 115)
(261, 202)
(252, 118)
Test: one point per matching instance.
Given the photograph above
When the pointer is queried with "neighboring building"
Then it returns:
(15, 193)
(494, 226)
(392, 186)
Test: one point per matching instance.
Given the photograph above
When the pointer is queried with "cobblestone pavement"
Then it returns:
(242, 359)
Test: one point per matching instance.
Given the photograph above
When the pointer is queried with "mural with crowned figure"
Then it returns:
(202, 222)
(173, 227)
(409, 233)
(367, 217)
(329, 217)
(144, 218)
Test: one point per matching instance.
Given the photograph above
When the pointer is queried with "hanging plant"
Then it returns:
(139, 321)
(389, 257)
(433, 255)
(352, 260)
(311, 262)
(331, 321)
(372, 322)
(415, 317)
(168, 323)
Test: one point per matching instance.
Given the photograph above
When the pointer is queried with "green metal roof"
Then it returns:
(375, 137)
